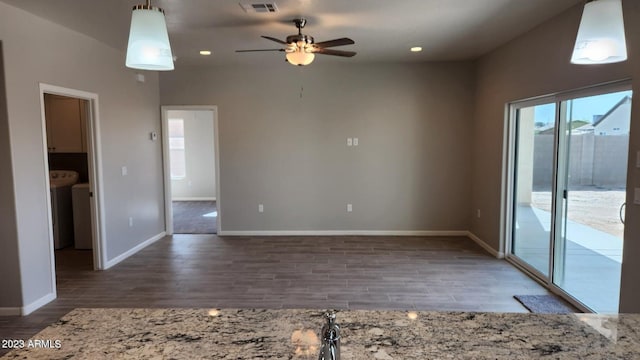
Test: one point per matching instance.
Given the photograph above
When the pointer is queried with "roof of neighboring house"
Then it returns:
(625, 100)
(576, 124)
(584, 127)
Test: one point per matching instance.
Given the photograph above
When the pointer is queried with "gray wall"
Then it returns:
(534, 64)
(610, 160)
(36, 50)
(283, 132)
(11, 289)
(594, 161)
(200, 180)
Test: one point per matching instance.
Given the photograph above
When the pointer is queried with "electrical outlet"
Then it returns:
(638, 160)
(260, 208)
(478, 214)
(130, 222)
(349, 207)
(124, 171)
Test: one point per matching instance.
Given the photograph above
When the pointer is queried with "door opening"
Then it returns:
(192, 195)
(70, 126)
(567, 192)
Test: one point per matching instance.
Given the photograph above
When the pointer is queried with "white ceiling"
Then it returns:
(383, 30)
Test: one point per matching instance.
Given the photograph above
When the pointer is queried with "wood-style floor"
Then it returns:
(206, 271)
(194, 217)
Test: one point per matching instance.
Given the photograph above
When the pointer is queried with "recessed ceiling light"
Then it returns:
(416, 49)
(205, 52)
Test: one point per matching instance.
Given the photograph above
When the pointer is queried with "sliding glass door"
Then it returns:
(592, 178)
(568, 177)
(532, 200)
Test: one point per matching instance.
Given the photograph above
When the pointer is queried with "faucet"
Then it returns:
(330, 347)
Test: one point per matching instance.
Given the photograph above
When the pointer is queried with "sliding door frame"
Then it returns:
(512, 154)
(559, 150)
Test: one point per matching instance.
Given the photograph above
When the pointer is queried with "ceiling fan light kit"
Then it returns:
(601, 38)
(301, 49)
(300, 57)
(149, 47)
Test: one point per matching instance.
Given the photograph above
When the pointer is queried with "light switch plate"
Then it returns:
(355, 141)
(124, 171)
(349, 141)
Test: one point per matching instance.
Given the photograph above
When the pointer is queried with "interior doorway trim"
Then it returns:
(168, 210)
(94, 158)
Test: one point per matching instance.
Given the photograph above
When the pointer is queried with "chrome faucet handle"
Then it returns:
(331, 330)
(330, 316)
(330, 348)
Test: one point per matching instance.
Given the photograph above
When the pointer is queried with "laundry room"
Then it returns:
(67, 150)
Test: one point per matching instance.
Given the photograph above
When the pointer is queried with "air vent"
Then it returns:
(259, 7)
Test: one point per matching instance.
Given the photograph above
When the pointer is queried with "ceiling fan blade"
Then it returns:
(254, 50)
(334, 52)
(274, 39)
(335, 42)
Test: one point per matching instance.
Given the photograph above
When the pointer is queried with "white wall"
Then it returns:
(535, 64)
(618, 119)
(283, 131)
(36, 50)
(200, 180)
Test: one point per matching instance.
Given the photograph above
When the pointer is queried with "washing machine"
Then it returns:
(80, 196)
(60, 182)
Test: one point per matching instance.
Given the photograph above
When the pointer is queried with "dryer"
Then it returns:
(60, 182)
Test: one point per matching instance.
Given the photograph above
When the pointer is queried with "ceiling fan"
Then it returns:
(301, 48)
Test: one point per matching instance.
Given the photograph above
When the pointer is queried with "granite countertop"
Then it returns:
(293, 334)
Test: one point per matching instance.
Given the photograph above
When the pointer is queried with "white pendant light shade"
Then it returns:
(300, 57)
(149, 47)
(601, 37)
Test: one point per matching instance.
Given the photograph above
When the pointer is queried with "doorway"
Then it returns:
(192, 191)
(70, 126)
(567, 188)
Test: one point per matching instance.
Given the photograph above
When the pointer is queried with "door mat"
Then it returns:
(545, 304)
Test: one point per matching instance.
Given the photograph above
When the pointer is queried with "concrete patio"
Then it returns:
(592, 258)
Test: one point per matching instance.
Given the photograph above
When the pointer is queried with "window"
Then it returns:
(176, 149)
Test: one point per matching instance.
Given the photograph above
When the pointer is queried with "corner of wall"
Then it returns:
(11, 295)
(495, 253)
(112, 262)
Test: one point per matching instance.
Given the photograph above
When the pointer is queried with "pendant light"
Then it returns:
(601, 37)
(149, 47)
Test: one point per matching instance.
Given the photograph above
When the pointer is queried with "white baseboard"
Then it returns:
(343, 233)
(144, 244)
(484, 245)
(468, 234)
(28, 309)
(10, 311)
(193, 199)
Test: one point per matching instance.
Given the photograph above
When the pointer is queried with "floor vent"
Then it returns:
(259, 7)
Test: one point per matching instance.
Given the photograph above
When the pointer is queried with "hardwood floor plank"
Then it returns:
(354, 272)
